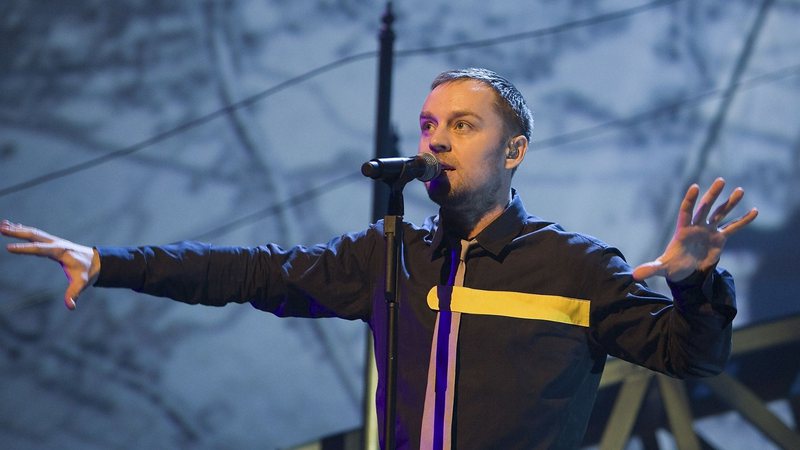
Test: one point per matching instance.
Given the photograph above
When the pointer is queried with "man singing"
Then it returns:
(505, 319)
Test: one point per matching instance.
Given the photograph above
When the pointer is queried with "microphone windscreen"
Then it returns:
(432, 167)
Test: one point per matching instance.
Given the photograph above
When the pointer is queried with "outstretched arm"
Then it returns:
(699, 237)
(81, 264)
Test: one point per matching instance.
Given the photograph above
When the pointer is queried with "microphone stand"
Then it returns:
(396, 173)
(392, 226)
(393, 234)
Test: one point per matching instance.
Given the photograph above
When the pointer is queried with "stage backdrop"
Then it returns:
(246, 121)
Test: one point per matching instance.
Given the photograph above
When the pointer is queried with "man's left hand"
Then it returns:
(699, 237)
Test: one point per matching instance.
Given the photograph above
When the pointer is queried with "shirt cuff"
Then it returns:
(700, 293)
(120, 267)
(701, 279)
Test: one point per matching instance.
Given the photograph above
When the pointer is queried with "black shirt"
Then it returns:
(524, 380)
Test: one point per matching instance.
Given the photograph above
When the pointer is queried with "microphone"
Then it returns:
(423, 167)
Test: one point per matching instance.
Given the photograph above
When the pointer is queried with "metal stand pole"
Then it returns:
(385, 146)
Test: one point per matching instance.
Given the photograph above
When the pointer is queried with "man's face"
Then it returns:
(460, 124)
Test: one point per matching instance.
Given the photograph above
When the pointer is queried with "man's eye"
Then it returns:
(462, 126)
(426, 126)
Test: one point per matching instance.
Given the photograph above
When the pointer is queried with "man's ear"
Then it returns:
(515, 152)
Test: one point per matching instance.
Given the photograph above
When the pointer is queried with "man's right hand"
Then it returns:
(81, 264)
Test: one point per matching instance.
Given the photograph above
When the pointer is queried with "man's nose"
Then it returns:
(439, 142)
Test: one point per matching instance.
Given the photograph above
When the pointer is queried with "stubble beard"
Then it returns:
(465, 204)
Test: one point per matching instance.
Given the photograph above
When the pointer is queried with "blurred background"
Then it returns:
(241, 122)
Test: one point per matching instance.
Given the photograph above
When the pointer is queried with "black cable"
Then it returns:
(182, 127)
(60, 173)
(273, 209)
(538, 33)
(589, 132)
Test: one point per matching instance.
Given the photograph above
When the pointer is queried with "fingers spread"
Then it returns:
(34, 248)
(687, 206)
(23, 232)
(708, 200)
(739, 223)
(724, 209)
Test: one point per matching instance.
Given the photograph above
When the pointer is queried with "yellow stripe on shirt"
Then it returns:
(554, 308)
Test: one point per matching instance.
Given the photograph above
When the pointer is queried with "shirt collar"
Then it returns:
(494, 237)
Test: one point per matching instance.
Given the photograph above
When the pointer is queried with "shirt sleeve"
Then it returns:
(318, 281)
(688, 336)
